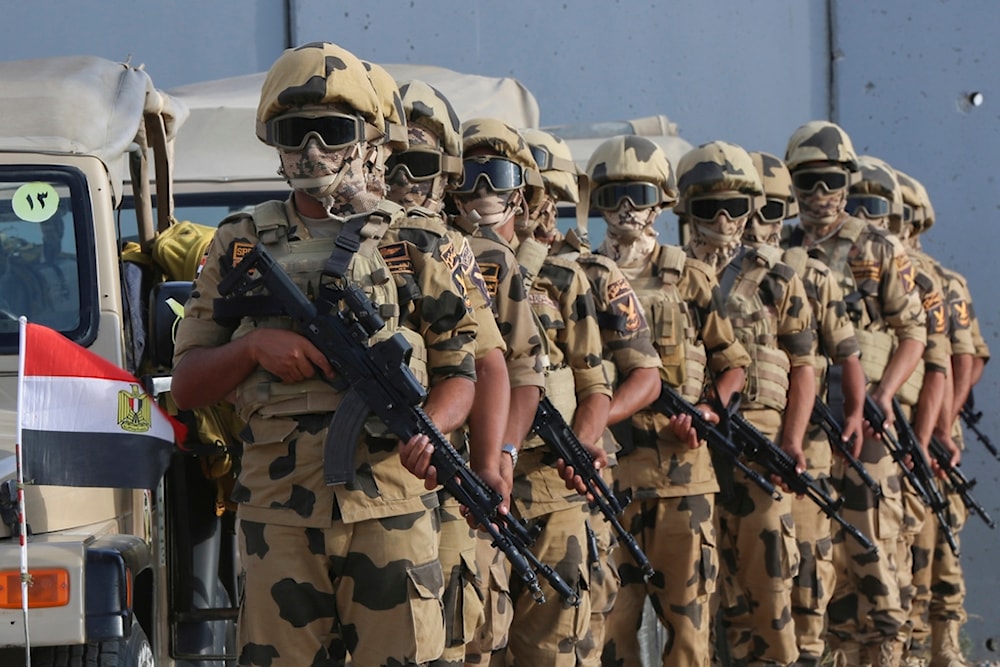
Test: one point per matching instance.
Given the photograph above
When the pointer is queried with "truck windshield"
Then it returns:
(46, 265)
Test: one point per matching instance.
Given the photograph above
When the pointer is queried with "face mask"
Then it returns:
(819, 209)
(722, 234)
(627, 223)
(542, 220)
(760, 233)
(408, 194)
(337, 178)
(485, 207)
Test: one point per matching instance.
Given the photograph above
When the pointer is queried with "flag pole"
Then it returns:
(22, 519)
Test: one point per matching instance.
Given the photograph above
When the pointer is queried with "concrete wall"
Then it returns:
(747, 72)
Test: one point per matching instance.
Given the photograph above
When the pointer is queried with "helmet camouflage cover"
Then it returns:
(908, 188)
(562, 175)
(820, 141)
(714, 167)
(632, 158)
(319, 74)
(391, 103)
(506, 142)
(776, 180)
(427, 107)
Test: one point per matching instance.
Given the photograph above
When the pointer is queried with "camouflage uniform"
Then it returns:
(626, 344)
(305, 545)
(937, 572)
(672, 486)
(876, 275)
(813, 586)
(757, 547)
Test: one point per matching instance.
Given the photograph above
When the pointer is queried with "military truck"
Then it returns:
(113, 578)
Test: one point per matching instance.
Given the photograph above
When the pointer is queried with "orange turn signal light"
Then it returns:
(46, 588)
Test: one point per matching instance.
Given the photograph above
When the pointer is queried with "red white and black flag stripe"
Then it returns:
(86, 422)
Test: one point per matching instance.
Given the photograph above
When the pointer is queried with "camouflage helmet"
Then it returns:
(507, 142)
(908, 188)
(392, 105)
(714, 167)
(559, 172)
(319, 74)
(820, 141)
(427, 107)
(632, 158)
(878, 178)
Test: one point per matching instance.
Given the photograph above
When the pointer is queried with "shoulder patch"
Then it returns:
(936, 318)
(905, 270)
(239, 249)
(491, 277)
(961, 315)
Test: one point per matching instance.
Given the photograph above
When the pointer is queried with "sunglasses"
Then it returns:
(773, 210)
(907, 213)
(334, 130)
(418, 164)
(640, 194)
(707, 209)
(807, 180)
(501, 174)
(874, 206)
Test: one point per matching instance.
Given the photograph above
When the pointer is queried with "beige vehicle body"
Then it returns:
(88, 128)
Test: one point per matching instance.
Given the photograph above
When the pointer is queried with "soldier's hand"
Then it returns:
(854, 427)
(500, 480)
(415, 455)
(575, 482)
(288, 355)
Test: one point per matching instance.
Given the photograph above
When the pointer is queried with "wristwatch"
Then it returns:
(512, 450)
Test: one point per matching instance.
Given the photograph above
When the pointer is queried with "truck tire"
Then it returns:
(132, 652)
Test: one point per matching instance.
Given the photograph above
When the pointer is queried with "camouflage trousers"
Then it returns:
(813, 586)
(547, 634)
(915, 517)
(678, 537)
(493, 585)
(938, 582)
(306, 587)
(604, 585)
(758, 557)
(866, 607)
(463, 605)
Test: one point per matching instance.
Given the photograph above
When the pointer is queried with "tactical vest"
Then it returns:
(560, 386)
(672, 325)
(303, 260)
(756, 327)
(860, 288)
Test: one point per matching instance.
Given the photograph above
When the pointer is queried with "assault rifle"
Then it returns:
(671, 403)
(823, 417)
(906, 451)
(377, 380)
(958, 481)
(971, 417)
(759, 449)
(552, 428)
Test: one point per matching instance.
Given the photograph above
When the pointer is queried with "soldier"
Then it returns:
(839, 380)
(937, 572)
(500, 184)
(662, 465)
(418, 177)
(865, 614)
(767, 306)
(353, 558)
(630, 353)
(878, 198)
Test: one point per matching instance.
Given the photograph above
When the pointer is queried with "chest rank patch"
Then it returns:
(397, 257)
(866, 269)
(936, 318)
(625, 304)
(239, 249)
(491, 277)
(961, 317)
(905, 270)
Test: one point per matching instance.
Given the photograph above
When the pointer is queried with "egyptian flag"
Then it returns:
(86, 422)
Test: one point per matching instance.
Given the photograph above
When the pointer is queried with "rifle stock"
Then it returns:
(378, 374)
(971, 417)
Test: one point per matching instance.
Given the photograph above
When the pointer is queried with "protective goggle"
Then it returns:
(501, 174)
(546, 161)
(640, 194)
(773, 210)
(292, 131)
(419, 164)
(907, 213)
(707, 209)
(807, 180)
(874, 206)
